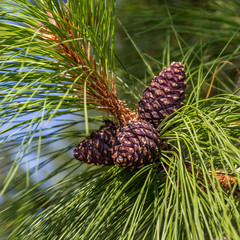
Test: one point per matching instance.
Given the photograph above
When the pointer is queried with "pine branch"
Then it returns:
(100, 204)
(101, 87)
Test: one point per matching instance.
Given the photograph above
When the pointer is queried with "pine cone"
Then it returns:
(136, 144)
(164, 95)
(226, 180)
(97, 147)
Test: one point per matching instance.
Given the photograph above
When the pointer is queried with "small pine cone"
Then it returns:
(227, 181)
(164, 95)
(97, 147)
(136, 144)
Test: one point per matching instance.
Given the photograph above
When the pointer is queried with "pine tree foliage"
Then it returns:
(57, 68)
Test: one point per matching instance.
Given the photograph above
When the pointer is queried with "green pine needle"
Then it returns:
(45, 194)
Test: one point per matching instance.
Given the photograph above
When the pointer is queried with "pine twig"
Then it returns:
(100, 88)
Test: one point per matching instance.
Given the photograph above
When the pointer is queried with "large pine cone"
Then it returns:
(97, 147)
(164, 95)
(136, 144)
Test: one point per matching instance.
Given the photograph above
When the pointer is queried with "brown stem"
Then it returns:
(103, 90)
(214, 75)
